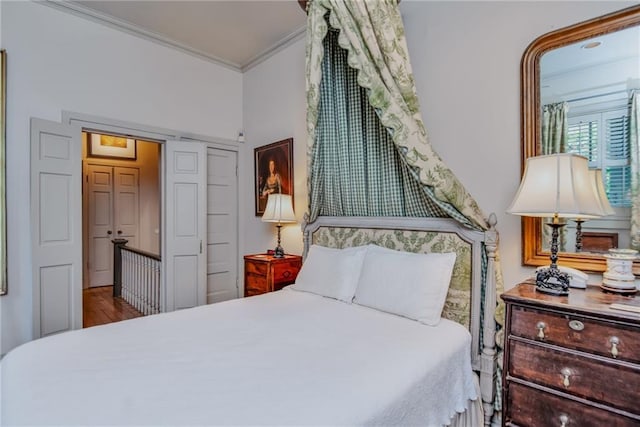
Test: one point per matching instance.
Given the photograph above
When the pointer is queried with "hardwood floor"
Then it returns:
(100, 307)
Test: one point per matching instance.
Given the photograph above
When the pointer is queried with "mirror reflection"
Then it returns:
(589, 92)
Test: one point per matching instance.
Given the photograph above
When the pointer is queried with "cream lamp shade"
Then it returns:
(596, 180)
(279, 209)
(557, 185)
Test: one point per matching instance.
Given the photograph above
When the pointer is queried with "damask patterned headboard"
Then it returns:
(469, 301)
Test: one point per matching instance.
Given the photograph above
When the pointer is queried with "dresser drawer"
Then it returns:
(610, 383)
(577, 332)
(285, 273)
(534, 408)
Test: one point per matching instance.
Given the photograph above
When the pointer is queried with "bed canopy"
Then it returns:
(367, 149)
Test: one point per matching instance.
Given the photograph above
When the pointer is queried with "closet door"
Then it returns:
(222, 225)
(184, 245)
(56, 224)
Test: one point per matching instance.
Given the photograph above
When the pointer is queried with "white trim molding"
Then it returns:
(127, 27)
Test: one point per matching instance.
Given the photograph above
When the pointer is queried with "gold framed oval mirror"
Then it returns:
(560, 56)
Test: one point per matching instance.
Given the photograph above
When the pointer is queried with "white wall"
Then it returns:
(274, 108)
(466, 63)
(59, 62)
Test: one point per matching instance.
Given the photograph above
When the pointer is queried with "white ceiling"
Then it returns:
(236, 33)
(573, 72)
(613, 47)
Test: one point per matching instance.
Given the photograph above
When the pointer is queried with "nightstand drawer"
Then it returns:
(577, 332)
(255, 285)
(249, 292)
(610, 383)
(257, 268)
(535, 408)
(285, 272)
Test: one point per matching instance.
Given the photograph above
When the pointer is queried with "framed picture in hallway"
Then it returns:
(111, 146)
(273, 171)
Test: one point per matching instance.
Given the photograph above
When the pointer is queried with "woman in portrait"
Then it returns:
(273, 182)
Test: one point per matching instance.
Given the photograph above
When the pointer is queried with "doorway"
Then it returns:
(59, 227)
(121, 199)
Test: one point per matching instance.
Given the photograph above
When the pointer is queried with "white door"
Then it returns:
(126, 204)
(100, 210)
(113, 213)
(184, 248)
(222, 225)
(56, 224)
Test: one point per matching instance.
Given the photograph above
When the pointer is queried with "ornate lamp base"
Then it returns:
(279, 251)
(552, 281)
(578, 234)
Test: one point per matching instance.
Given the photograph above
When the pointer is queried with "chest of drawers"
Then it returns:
(570, 361)
(266, 273)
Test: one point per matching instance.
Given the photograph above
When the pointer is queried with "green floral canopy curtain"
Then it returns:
(356, 168)
(554, 128)
(372, 35)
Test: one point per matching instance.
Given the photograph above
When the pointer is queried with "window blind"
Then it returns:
(582, 139)
(603, 138)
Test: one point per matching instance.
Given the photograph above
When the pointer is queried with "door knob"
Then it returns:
(109, 232)
(119, 231)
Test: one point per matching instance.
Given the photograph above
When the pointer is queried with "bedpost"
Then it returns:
(305, 235)
(488, 357)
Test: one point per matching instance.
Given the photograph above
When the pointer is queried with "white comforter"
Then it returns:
(285, 358)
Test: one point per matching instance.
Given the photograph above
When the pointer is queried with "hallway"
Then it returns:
(99, 307)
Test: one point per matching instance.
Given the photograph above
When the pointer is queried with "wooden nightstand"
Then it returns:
(570, 361)
(266, 273)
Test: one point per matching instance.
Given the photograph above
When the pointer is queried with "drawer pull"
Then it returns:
(566, 373)
(576, 325)
(564, 420)
(541, 326)
(615, 341)
(287, 274)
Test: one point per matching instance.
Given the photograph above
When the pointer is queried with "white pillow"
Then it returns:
(331, 272)
(407, 284)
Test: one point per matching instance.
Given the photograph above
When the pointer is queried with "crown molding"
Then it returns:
(282, 44)
(119, 24)
(110, 21)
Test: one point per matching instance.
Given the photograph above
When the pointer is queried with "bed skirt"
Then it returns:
(474, 415)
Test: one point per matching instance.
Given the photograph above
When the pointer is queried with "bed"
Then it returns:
(292, 357)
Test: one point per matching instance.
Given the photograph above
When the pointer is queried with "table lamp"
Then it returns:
(557, 186)
(279, 210)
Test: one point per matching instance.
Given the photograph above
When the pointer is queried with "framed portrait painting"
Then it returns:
(273, 171)
(111, 146)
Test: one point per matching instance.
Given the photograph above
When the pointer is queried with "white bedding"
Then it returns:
(284, 358)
